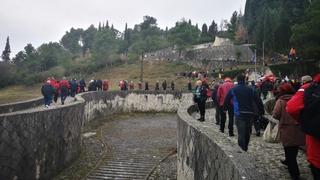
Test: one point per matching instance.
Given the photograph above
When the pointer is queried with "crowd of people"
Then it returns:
(125, 85)
(53, 89)
(297, 110)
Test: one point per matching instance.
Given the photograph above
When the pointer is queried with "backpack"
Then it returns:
(310, 115)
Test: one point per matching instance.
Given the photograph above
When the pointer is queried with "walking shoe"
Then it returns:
(46, 106)
(231, 134)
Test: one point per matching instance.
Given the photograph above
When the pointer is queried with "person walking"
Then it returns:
(189, 85)
(74, 87)
(64, 89)
(172, 85)
(99, 84)
(221, 94)
(131, 86)
(216, 103)
(243, 98)
(47, 91)
(105, 85)
(157, 88)
(82, 84)
(200, 98)
(164, 85)
(307, 114)
(146, 85)
(92, 85)
(291, 135)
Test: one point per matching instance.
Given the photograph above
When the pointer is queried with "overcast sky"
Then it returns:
(40, 21)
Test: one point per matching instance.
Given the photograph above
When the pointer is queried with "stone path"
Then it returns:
(267, 155)
(134, 145)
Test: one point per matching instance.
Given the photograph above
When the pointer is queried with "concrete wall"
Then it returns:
(18, 106)
(206, 155)
(39, 143)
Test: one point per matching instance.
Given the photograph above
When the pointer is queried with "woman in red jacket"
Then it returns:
(294, 107)
(291, 136)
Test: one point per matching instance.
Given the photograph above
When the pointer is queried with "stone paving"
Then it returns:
(268, 155)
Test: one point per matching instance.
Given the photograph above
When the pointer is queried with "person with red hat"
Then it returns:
(296, 107)
(222, 92)
(291, 135)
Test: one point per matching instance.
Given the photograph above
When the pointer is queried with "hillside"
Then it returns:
(152, 72)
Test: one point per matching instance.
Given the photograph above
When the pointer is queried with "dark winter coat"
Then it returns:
(47, 90)
(244, 99)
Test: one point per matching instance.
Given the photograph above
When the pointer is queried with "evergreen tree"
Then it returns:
(6, 52)
(107, 25)
(189, 22)
(99, 27)
(204, 31)
(213, 29)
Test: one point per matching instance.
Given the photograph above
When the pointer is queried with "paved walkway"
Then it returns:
(267, 155)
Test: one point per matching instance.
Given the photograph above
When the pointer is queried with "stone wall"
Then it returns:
(205, 155)
(11, 107)
(39, 143)
(106, 103)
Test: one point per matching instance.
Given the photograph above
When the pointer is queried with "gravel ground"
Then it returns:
(268, 155)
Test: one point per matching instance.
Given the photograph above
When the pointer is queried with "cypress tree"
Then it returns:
(6, 52)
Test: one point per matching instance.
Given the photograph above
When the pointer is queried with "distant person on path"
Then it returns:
(105, 85)
(54, 83)
(200, 98)
(172, 85)
(157, 88)
(140, 85)
(308, 116)
(64, 89)
(266, 86)
(131, 85)
(292, 54)
(164, 85)
(82, 84)
(189, 85)
(92, 85)
(74, 87)
(216, 103)
(256, 116)
(47, 91)
(243, 98)
(291, 135)
(99, 84)
(221, 94)
(146, 85)
(122, 85)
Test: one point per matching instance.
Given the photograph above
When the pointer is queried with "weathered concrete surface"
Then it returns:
(205, 154)
(18, 106)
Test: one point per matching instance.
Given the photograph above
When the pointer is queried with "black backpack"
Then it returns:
(310, 115)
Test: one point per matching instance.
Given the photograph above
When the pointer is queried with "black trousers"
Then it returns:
(55, 97)
(256, 123)
(291, 159)
(223, 118)
(202, 108)
(315, 172)
(217, 115)
(244, 126)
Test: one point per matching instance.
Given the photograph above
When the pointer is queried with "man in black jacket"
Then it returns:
(200, 97)
(47, 91)
(243, 98)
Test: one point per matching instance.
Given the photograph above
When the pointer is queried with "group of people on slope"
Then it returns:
(52, 89)
(124, 85)
(243, 103)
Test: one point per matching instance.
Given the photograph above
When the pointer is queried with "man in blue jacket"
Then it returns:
(243, 98)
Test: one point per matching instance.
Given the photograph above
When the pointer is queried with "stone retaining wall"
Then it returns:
(38, 144)
(205, 155)
(11, 107)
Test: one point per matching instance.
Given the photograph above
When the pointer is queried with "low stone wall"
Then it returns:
(18, 106)
(205, 154)
(38, 144)
(106, 103)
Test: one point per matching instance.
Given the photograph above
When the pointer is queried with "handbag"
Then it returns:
(271, 133)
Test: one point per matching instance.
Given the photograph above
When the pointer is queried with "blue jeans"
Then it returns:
(244, 126)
